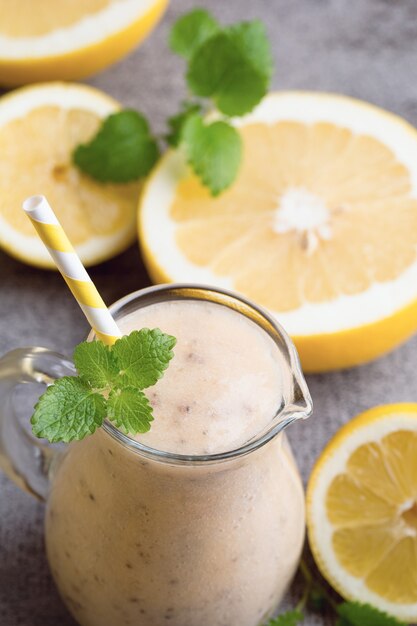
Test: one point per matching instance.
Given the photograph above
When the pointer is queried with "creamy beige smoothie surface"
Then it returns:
(223, 385)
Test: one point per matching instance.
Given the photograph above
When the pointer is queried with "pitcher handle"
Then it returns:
(28, 461)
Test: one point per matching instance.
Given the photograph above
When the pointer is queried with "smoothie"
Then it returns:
(144, 542)
(222, 388)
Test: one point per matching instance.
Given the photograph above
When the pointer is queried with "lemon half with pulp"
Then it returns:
(320, 226)
(362, 510)
(39, 128)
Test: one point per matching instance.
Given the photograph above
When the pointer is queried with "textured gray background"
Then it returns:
(364, 48)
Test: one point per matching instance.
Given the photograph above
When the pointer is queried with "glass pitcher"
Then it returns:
(142, 537)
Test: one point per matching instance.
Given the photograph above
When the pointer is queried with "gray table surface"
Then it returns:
(363, 48)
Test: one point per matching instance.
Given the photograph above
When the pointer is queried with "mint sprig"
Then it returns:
(317, 597)
(110, 384)
(122, 151)
(233, 68)
(228, 68)
(350, 614)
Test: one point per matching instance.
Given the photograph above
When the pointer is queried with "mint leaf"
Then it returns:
(191, 30)
(233, 68)
(73, 407)
(252, 40)
(123, 149)
(290, 618)
(356, 614)
(176, 122)
(96, 364)
(69, 409)
(130, 410)
(214, 152)
(143, 356)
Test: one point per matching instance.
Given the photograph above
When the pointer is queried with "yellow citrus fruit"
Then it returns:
(362, 510)
(67, 40)
(320, 226)
(39, 128)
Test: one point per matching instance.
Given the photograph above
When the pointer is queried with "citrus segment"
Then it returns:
(350, 503)
(39, 128)
(358, 549)
(320, 226)
(395, 576)
(362, 510)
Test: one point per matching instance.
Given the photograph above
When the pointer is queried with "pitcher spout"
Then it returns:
(303, 404)
(297, 401)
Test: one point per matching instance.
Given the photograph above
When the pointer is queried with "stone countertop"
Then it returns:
(363, 48)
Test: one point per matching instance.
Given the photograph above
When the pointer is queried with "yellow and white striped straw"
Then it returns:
(67, 261)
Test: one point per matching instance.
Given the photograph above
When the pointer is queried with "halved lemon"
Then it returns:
(69, 39)
(362, 510)
(320, 226)
(39, 128)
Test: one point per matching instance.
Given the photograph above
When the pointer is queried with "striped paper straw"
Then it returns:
(67, 261)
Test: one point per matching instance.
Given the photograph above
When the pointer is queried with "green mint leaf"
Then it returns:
(69, 409)
(96, 364)
(191, 30)
(143, 356)
(233, 68)
(123, 149)
(214, 152)
(252, 40)
(176, 122)
(130, 410)
(73, 407)
(356, 614)
(290, 618)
